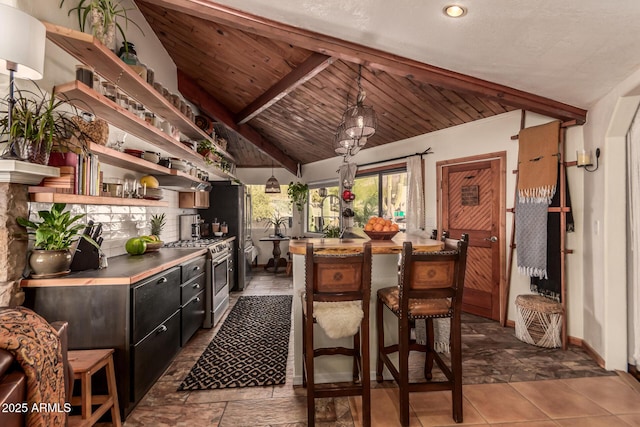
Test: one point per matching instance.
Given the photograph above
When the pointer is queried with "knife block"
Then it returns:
(86, 257)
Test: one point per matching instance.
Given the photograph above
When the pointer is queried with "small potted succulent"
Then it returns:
(55, 233)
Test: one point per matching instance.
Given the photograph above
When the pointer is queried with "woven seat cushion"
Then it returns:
(418, 308)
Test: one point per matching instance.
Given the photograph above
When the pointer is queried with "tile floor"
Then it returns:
(507, 383)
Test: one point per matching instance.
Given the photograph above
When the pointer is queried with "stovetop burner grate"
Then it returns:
(194, 243)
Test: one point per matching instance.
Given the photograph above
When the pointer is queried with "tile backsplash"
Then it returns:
(119, 223)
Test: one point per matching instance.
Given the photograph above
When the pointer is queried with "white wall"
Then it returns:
(605, 299)
(479, 137)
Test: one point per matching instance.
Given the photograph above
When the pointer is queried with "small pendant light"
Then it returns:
(272, 186)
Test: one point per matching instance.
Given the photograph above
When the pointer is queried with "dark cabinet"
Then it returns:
(192, 298)
(146, 322)
(153, 301)
(155, 328)
(152, 355)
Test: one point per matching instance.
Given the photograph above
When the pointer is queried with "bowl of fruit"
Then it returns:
(378, 228)
(143, 244)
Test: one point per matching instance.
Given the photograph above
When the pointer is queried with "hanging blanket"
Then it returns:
(551, 287)
(538, 162)
(537, 180)
(36, 347)
(441, 333)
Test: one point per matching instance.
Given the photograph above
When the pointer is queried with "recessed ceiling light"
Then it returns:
(454, 11)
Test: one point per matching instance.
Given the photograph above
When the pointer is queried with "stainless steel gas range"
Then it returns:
(219, 270)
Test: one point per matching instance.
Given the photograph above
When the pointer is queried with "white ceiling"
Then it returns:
(573, 51)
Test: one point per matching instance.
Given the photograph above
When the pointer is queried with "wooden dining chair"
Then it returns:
(337, 278)
(431, 286)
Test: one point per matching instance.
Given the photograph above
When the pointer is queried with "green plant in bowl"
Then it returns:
(55, 232)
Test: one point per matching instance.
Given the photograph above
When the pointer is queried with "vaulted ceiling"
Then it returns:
(277, 92)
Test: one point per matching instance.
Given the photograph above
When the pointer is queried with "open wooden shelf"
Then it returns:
(93, 200)
(85, 48)
(86, 99)
(123, 160)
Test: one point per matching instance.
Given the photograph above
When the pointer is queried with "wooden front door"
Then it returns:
(473, 203)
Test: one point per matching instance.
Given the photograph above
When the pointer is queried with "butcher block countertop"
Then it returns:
(123, 269)
(338, 246)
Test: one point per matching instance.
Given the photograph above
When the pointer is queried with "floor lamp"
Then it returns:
(22, 42)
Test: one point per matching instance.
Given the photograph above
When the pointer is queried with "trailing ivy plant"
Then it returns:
(298, 194)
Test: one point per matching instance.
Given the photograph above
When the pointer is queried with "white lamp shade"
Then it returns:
(22, 41)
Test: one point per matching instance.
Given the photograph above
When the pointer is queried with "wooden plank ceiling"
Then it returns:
(277, 93)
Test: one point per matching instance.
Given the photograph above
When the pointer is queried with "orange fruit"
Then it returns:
(377, 227)
(387, 222)
(394, 227)
(386, 228)
(368, 227)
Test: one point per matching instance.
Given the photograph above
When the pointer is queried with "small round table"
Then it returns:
(276, 261)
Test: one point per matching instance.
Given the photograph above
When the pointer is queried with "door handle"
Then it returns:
(491, 239)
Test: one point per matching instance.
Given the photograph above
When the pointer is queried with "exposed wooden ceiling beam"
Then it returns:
(305, 71)
(374, 58)
(208, 104)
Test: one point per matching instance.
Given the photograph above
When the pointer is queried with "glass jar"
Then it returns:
(150, 118)
(122, 100)
(84, 74)
(224, 227)
(109, 90)
(139, 110)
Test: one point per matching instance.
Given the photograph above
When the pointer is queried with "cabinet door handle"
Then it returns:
(197, 299)
(162, 329)
(196, 268)
(162, 280)
(196, 286)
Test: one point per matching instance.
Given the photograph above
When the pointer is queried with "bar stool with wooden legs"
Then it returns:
(337, 282)
(431, 285)
(85, 363)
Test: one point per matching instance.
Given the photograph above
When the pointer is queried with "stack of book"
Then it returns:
(79, 174)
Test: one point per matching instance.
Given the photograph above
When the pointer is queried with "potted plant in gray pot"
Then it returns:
(39, 122)
(55, 233)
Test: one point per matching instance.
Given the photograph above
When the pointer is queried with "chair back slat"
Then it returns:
(342, 277)
(433, 274)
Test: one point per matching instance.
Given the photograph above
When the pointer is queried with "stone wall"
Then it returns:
(13, 242)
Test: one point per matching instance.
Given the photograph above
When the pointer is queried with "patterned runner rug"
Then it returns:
(249, 350)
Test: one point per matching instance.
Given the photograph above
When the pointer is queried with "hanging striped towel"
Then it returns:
(537, 180)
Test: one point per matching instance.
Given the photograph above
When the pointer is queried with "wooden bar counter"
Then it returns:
(384, 273)
(338, 246)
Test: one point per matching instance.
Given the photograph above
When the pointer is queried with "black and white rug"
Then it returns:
(249, 350)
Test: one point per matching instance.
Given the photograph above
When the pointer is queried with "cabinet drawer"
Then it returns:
(192, 268)
(152, 355)
(192, 287)
(153, 300)
(192, 317)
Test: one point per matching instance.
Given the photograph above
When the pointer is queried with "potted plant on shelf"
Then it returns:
(298, 194)
(102, 16)
(207, 149)
(54, 236)
(276, 221)
(39, 123)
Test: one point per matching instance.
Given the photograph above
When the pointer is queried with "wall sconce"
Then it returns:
(584, 159)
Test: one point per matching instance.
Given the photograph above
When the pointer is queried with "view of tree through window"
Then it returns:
(379, 194)
(323, 209)
(266, 206)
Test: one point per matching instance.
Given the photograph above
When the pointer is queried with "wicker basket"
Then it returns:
(538, 321)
